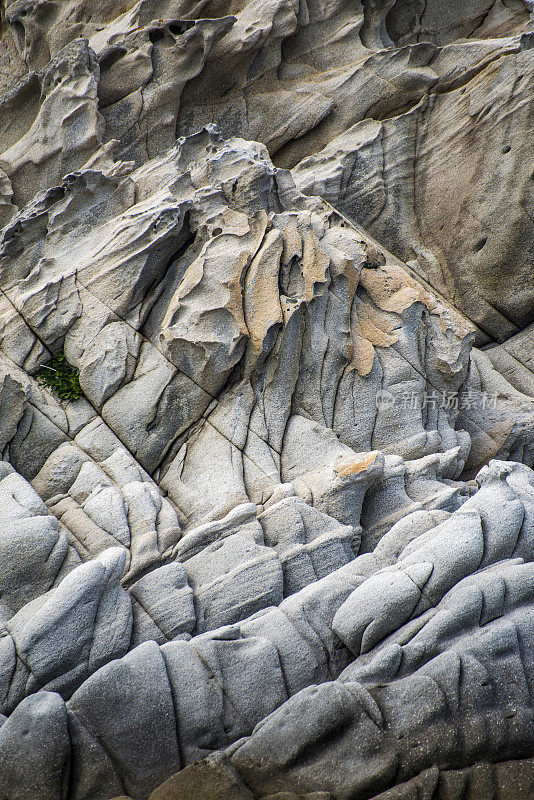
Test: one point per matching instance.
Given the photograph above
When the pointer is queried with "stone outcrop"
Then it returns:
(282, 546)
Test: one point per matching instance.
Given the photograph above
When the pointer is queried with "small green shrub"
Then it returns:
(61, 378)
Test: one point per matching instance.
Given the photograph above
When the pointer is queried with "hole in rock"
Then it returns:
(156, 35)
(179, 28)
(111, 58)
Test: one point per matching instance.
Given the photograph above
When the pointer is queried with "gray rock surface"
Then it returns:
(282, 546)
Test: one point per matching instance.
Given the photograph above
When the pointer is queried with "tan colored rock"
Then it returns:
(439, 183)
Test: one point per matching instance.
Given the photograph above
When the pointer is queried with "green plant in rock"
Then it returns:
(61, 378)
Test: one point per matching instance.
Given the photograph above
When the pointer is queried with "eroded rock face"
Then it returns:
(412, 118)
(282, 546)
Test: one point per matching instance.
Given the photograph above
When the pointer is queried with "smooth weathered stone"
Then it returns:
(35, 749)
(282, 546)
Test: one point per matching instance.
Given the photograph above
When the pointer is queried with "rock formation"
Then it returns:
(282, 546)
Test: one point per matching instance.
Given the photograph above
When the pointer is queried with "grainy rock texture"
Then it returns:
(282, 547)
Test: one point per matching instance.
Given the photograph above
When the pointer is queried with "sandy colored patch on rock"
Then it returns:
(353, 466)
(392, 289)
(370, 330)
